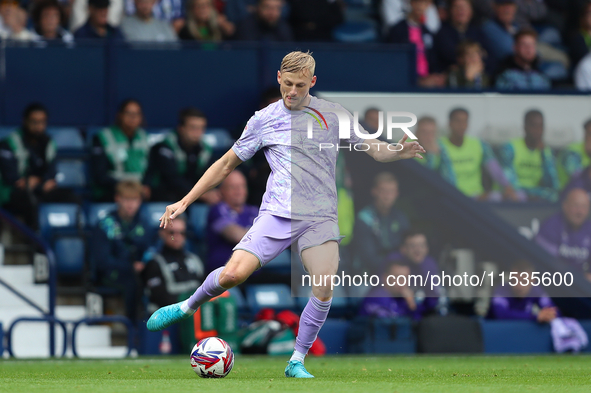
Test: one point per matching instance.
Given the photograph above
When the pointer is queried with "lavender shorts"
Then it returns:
(270, 235)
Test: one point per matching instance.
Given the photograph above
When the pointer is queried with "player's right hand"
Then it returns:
(172, 211)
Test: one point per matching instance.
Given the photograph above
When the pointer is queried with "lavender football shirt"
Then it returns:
(302, 184)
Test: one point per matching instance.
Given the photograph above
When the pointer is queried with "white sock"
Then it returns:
(186, 309)
(298, 356)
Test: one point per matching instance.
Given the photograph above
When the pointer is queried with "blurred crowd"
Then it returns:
(476, 44)
(128, 254)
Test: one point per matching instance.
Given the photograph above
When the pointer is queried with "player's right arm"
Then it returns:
(214, 175)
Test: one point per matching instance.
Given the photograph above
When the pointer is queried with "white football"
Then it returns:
(212, 357)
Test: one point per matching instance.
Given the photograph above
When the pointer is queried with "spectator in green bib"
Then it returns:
(464, 158)
(575, 157)
(28, 167)
(178, 162)
(119, 153)
(529, 164)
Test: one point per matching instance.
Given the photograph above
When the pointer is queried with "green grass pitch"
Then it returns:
(552, 373)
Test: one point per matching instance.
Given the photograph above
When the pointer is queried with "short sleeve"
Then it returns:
(250, 141)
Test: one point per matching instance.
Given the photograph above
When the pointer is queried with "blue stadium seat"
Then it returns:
(276, 296)
(91, 132)
(218, 138)
(153, 211)
(5, 131)
(66, 138)
(238, 297)
(282, 261)
(97, 211)
(71, 174)
(356, 31)
(59, 218)
(69, 255)
(198, 219)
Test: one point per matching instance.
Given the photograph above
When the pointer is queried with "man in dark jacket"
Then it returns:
(266, 24)
(118, 244)
(172, 270)
(177, 163)
(97, 26)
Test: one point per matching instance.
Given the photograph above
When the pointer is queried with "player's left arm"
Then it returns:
(385, 152)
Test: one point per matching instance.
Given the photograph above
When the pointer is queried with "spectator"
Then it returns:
(393, 301)
(172, 270)
(28, 167)
(178, 162)
(467, 157)
(567, 234)
(266, 24)
(170, 11)
(579, 180)
(580, 40)
(528, 164)
(14, 19)
(499, 32)
(531, 11)
(522, 302)
(379, 227)
(520, 71)
(575, 156)
(81, 8)
(118, 244)
(426, 134)
(470, 72)
(414, 251)
(48, 17)
(142, 26)
(413, 30)
(204, 23)
(316, 25)
(229, 220)
(119, 152)
(371, 120)
(393, 11)
(582, 74)
(97, 25)
(453, 32)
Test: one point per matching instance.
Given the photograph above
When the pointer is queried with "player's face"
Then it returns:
(385, 194)
(128, 205)
(458, 124)
(294, 88)
(193, 129)
(415, 248)
(175, 237)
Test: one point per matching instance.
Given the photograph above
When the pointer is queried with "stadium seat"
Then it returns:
(69, 255)
(71, 174)
(5, 131)
(218, 138)
(97, 211)
(516, 337)
(59, 219)
(156, 135)
(198, 219)
(276, 296)
(66, 138)
(153, 211)
(91, 132)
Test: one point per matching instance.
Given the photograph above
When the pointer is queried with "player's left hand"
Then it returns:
(410, 149)
(172, 211)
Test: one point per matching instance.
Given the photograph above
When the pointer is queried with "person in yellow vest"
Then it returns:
(119, 153)
(530, 165)
(464, 158)
(575, 157)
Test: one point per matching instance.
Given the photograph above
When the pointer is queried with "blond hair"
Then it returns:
(298, 62)
(128, 187)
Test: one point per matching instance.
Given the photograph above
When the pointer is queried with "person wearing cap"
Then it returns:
(97, 25)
